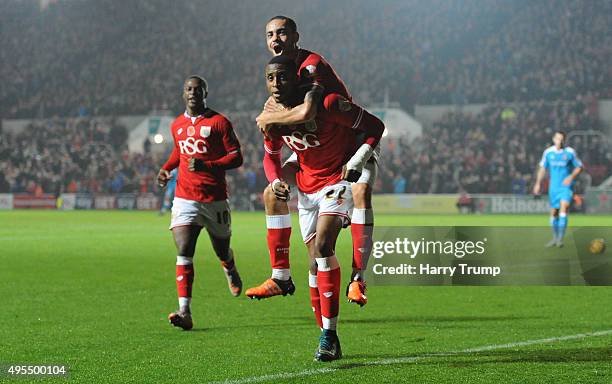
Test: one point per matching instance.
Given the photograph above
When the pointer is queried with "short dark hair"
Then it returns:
(284, 60)
(202, 81)
(197, 77)
(290, 22)
(562, 133)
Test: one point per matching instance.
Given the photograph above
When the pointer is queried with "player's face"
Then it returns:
(193, 93)
(280, 39)
(281, 82)
(558, 140)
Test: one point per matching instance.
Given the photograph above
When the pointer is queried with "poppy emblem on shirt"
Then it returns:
(190, 130)
(204, 131)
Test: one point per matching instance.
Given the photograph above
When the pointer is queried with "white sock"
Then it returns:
(330, 323)
(185, 303)
(312, 280)
(358, 275)
(281, 274)
(278, 221)
(182, 260)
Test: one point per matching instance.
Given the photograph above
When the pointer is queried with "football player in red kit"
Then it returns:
(322, 146)
(321, 81)
(205, 146)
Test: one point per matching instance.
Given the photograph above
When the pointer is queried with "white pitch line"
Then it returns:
(410, 359)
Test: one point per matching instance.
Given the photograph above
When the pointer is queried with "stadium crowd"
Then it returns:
(69, 60)
(73, 155)
(494, 151)
(522, 58)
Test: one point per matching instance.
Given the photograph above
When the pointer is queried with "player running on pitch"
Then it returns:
(563, 166)
(322, 146)
(321, 82)
(205, 146)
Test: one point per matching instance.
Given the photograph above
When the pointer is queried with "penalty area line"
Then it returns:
(410, 359)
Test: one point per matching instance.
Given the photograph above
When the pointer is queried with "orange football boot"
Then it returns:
(356, 292)
(271, 287)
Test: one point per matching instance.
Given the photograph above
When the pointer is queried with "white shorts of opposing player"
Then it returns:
(214, 216)
(332, 200)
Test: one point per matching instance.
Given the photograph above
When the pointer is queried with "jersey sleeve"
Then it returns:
(272, 158)
(544, 162)
(228, 137)
(350, 115)
(310, 71)
(173, 160)
(576, 162)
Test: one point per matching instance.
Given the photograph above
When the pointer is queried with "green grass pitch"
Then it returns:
(92, 290)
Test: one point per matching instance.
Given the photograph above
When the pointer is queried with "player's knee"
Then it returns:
(184, 249)
(554, 212)
(269, 198)
(362, 195)
(323, 246)
(273, 205)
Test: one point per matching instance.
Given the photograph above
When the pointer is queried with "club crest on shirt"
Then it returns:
(190, 130)
(311, 69)
(205, 131)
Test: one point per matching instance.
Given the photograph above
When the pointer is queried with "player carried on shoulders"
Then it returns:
(319, 82)
(322, 146)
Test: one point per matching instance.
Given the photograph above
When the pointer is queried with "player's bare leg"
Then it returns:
(562, 224)
(554, 223)
(226, 256)
(362, 226)
(278, 222)
(328, 282)
(185, 238)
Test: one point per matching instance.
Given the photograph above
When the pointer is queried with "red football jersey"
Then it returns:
(322, 146)
(314, 69)
(207, 137)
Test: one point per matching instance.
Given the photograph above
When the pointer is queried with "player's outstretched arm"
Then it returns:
(302, 113)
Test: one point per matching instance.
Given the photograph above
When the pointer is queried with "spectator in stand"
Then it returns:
(421, 52)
